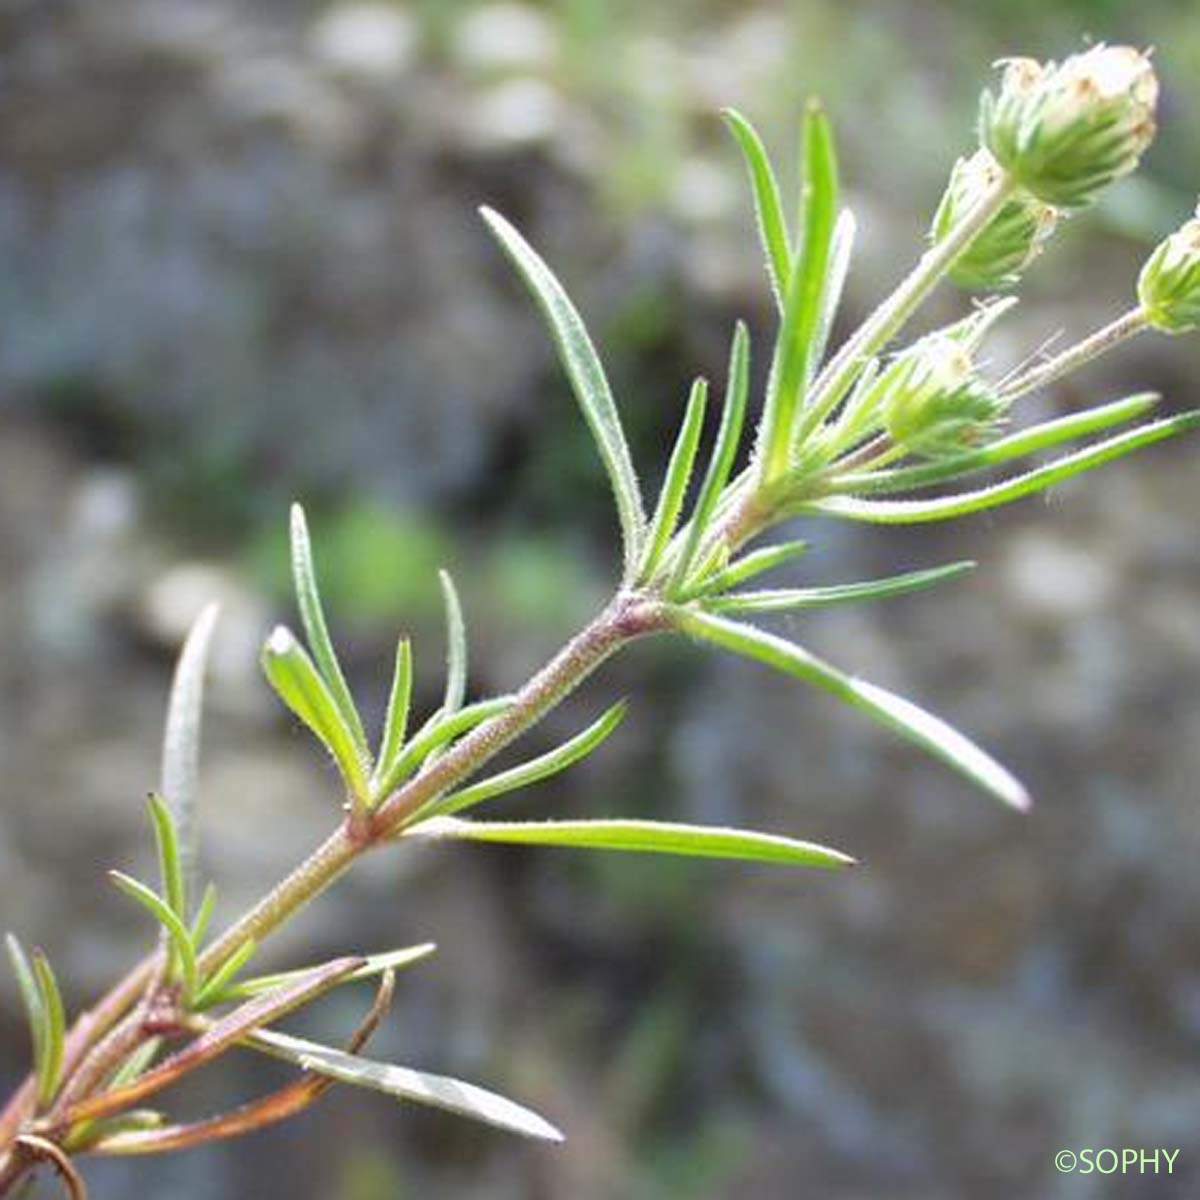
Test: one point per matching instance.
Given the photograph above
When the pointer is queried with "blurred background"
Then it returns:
(240, 264)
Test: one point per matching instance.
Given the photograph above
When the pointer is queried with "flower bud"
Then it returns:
(933, 403)
(1065, 131)
(1169, 285)
(1012, 240)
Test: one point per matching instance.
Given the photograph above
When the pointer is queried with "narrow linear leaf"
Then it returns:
(177, 932)
(789, 599)
(757, 562)
(403, 1083)
(768, 207)
(215, 988)
(972, 330)
(1005, 449)
(653, 837)
(904, 512)
(395, 722)
(841, 250)
(679, 472)
(536, 769)
(902, 716)
(136, 1123)
(733, 415)
(280, 1104)
(217, 1037)
(35, 1015)
(312, 617)
(435, 733)
(166, 839)
(181, 743)
(859, 415)
(373, 965)
(56, 1023)
(204, 913)
(587, 379)
(456, 646)
(83, 1133)
(301, 688)
(794, 361)
(136, 1063)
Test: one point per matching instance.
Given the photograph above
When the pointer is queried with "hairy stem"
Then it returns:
(629, 616)
(116, 1025)
(1074, 357)
(751, 509)
(886, 321)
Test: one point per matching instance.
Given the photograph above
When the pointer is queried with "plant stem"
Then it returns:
(101, 1037)
(1074, 357)
(88, 1029)
(751, 509)
(629, 616)
(885, 322)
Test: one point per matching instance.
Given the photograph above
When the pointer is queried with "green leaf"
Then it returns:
(216, 988)
(654, 837)
(1005, 449)
(435, 733)
(905, 512)
(204, 913)
(85, 1133)
(56, 1026)
(859, 415)
(789, 599)
(395, 723)
(375, 964)
(902, 716)
(733, 415)
(166, 838)
(181, 743)
(216, 1038)
(312, 617)
(301, 688)
(679, 472)
(176, 930)
(587, 381)
(757, 562)
(137, 1062)
(536, 769)
(768, 207)
(263, 1009)
(793, 362)
(840, 252)
(170, 874)
(35, 1016)
(403, 1083)
(456, 646)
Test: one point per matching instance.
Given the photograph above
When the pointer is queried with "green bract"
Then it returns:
(933, 402)
(999, 255)
(1169, 285)
(1066, 130)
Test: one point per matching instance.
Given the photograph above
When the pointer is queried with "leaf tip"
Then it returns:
(280, 640)
(1020, 799)
(297, 521)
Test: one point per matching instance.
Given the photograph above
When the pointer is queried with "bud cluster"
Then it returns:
(933, 402)
(1064, 131)
(1169, 284)
(1009, 243)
